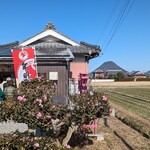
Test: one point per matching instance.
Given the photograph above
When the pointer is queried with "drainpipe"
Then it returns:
(67, 81)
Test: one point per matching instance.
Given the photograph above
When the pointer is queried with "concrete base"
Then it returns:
(100, 137)
(112, 113)
(11, 126)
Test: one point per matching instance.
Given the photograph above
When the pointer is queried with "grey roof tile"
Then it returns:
(74, 49)
(47, 49)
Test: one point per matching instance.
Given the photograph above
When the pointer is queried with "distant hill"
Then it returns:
(148, 72)
(110, 66)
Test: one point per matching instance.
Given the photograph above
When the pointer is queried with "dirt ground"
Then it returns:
(118, 136)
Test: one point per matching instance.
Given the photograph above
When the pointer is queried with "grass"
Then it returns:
(136, 100)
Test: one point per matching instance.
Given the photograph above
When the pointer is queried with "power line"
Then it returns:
(127, 13)
(120, 19)
(116, 24)
(109, 19)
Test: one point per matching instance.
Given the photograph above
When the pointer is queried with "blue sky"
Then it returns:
(91, 21)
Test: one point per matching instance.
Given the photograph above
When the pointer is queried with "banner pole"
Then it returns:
(35, 60)
(16, 80)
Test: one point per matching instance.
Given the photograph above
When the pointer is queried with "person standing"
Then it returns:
(1, 95)
(9, 90)
(90, 87)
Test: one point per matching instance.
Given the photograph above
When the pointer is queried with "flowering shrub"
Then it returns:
(89, 105)
(17, 141)
(34, 106)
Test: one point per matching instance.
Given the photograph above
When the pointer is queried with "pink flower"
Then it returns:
(48, 117)
(105, 98)
(38, 115)
(52, 86)
(24, 99)
(44, 97)
(36, 145)
(37, 101)
(41, 105)
(21, 98)
(39, 78)
(53, 107)
(38, 87)
(40, 101)
(55, 85)
(29, 80)
(101, 107)
(91, 93)
(28, 90)
(32, 139)
(68, 146)
(14, 135)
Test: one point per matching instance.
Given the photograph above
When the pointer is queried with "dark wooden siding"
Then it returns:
(62, 76)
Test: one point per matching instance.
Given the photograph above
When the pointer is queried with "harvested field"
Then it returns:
(118, 136)
(122, 84)
(136, 100)
(133, 97)
(130, 128)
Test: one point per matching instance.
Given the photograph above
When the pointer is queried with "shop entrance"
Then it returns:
(4, 75)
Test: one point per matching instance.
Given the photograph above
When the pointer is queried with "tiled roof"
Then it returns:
(74, 49)
(9, 45)
(47, 49)
(5, 49)
(54, 53)
(113, 72)
(136, 73)
(98, 71)
(63, 53)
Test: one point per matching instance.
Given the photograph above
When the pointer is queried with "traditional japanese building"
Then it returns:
(58, 58)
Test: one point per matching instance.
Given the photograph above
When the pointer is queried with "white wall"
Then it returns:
(103, 80)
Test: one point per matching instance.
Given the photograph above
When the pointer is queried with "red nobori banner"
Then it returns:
(24, 64)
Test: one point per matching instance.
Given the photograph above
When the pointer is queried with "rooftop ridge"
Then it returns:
(49, 26)
(10, 44)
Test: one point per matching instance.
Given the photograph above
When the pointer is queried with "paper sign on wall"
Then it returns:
(53, 75)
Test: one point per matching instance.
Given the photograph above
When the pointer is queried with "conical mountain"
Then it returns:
(111, 66)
